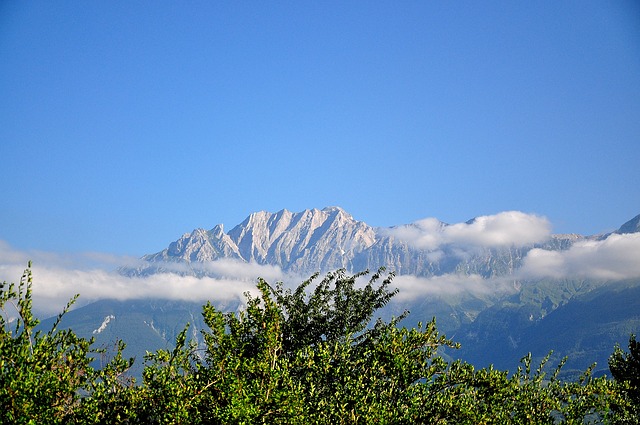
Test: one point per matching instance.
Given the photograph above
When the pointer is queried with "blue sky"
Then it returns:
(124, 125)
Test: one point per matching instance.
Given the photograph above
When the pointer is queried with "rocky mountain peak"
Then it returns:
(300, 240)
(631, 226)
(330, 238)
(217, 231)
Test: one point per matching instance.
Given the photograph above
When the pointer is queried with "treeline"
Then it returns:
(306, 356)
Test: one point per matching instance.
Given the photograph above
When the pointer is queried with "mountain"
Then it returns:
(314, 239)
(584, 328)
(474, 286)
(329, 239)
(630, 226)
(144, 325)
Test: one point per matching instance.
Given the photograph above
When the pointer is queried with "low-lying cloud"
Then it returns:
(452, 284)
(224, 268)
(615, 258)
(57, 278)
(509, 228)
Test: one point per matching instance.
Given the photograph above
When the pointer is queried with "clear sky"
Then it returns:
(125, 124)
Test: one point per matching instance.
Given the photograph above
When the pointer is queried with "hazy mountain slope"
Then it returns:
(477, 293)
(144, 325)
(630, 226)
(581, 320)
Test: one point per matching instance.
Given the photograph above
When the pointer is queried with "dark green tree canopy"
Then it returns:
(625, 368)
(333, 310)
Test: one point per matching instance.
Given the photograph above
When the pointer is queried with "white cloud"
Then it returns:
(510, 228)
(57, 278)
(235, 269)
(614, 258)
(224, 268)
(412, 287)
(503, 229)
(426, 233)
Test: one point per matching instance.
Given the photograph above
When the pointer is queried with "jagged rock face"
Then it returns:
(404, 259)
(199, 246)
(309, 240)
(328, 239)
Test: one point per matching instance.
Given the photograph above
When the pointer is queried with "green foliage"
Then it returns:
(313, 355)
(334, 310)
(625, 368)
(47, 377)
(246, 368)
(109, 394)
(40, 373)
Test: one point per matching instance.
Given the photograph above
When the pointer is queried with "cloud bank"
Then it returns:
(615, 258)
(509, 228)
(57, 278)
(452, 284)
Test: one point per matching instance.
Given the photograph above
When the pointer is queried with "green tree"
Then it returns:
(246, 371)
(312, 355)
(40, 373)
(315, 356)
(46, 377)
(625, 368)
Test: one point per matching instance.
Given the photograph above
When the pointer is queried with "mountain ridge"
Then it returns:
(631, 226)
(472, 286)
(330, 238)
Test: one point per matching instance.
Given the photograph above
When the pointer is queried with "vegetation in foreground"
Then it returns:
(307, 356)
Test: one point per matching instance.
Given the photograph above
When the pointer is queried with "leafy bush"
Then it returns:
(625, 368)
(313, 355)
